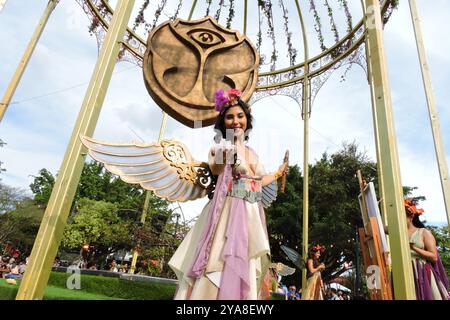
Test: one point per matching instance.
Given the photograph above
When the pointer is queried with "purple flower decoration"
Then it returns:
(220, 100)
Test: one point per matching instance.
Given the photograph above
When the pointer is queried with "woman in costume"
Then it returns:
(314, 284)
(430, 278)
(226, 253)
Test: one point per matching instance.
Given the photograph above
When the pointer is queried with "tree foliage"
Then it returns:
(20, 225)
(443, 245)
(334, 213)
(2, 143)
(105, 210)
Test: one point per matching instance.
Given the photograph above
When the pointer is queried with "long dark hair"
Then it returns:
(219, 126)
(416, 222)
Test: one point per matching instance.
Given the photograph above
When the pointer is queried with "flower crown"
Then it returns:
(222, 100)
(318, 248)
(411, 207)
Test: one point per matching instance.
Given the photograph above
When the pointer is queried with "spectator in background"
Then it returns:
(293, 294)
(57, 262)
(14, 274)
(22, 267)
(333, 294)
(113, 267)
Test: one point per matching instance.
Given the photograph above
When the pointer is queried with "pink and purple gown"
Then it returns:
(225, 255)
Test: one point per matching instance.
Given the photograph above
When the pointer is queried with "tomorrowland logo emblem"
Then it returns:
(187, 61)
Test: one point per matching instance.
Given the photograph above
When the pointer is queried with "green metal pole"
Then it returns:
(398, 236)
(52, 226)
(305, 107)
(147, 196)
(194, 4)
(245, 16)
(432, 111)
(4, 103)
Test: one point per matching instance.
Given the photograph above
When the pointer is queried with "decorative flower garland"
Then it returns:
(140, 16)
(96, 21)
(267, 9)
(208, 7)
(158, 11)
(317, 25)
(292, 52)
(230, 14)
(259, 39)
(177, 11)
(332, 22)
(344, 5)
(217, 16)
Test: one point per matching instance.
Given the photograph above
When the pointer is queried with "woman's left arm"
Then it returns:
(430, 251)
(269, 178)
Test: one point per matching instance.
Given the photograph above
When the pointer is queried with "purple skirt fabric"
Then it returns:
(235, 282)
(423, 274)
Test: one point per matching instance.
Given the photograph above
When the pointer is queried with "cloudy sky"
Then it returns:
(39, 122)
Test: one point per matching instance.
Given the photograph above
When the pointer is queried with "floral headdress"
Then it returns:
(411, 207)
(318, 248)
(222, 100)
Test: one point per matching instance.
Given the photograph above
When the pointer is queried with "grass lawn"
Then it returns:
(9, 291)
(96, 287)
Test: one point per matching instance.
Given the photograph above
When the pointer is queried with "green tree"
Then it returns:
(98, 223)
(2, 143)
(42, 186)
(96, 183)
(443, 245)
(334, 213)
(10, 198)
(19, 226)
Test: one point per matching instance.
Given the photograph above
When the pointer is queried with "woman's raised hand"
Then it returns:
(283, 169)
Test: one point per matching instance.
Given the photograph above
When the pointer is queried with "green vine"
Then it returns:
(332, 22)
(259, 35)
(158, 11)
(175, 15)
(208, 7)
(217, 16)
(267, 9)
(317, 25)
(230, 14)
(96, 21)
(348, 15)
(292, 52)
(140, 16)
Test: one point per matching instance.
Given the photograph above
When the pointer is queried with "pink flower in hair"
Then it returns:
(220, 100)
(234, 93)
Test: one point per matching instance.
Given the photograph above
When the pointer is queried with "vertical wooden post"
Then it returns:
(52, 226)
(4, 103)
(434, 117)
(399, 243)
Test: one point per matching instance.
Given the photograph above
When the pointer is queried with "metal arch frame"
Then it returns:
(134, 48)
